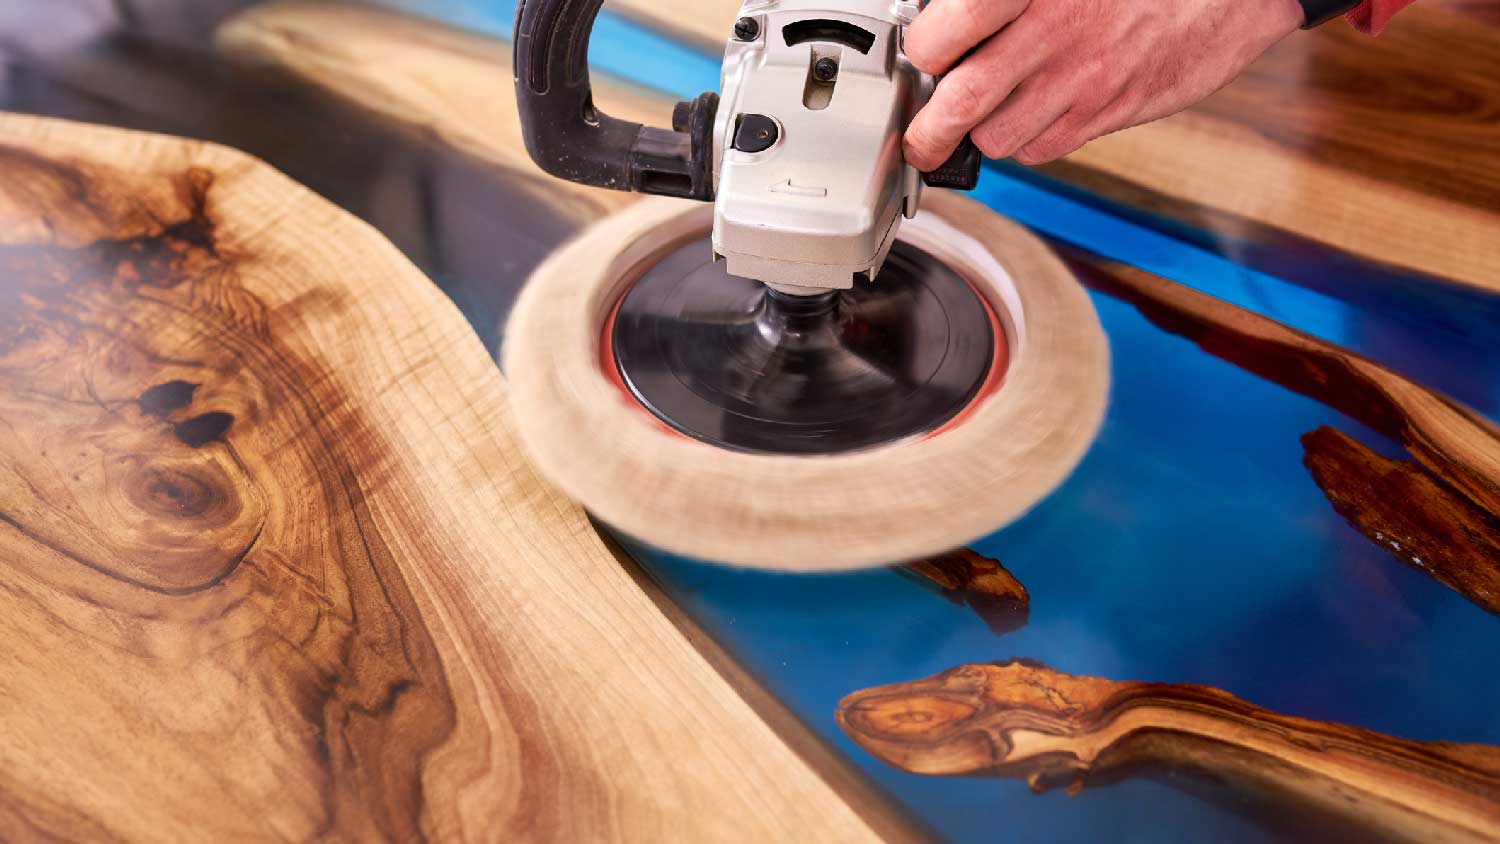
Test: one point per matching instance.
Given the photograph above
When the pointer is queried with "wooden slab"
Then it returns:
(705, 23)
(1055, 730)
(1382, 149)
(1378, 148)
(272, 567)
(436, 79)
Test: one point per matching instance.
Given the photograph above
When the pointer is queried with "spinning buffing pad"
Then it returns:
(711, 417)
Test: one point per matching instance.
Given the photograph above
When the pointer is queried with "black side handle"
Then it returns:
(960, 171)
(567, 137)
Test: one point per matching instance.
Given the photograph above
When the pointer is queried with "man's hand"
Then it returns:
(1046, 76)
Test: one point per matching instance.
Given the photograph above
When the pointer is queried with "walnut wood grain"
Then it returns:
(271, 567)
(1376, 148)
(1404, 509)
(968, 578)
(706, 24)
(1453, 442)
(1021, 719)
(893, 823)
(1487, 11)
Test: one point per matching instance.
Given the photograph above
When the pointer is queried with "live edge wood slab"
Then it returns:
(271, 567)
(1021, 719)
(438, 80)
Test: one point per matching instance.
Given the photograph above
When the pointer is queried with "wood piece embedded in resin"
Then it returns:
(1417, 518)
(1023, 720)
(969, 578)
(1448, 439)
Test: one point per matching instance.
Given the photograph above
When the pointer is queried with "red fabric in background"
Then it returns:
(1371, 16)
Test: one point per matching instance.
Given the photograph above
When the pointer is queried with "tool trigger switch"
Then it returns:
(960, 171)
(755, 133)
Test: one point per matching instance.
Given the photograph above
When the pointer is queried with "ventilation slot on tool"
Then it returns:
(834, 32)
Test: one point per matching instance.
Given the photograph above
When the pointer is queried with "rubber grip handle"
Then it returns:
(960, 171)
(569, 138)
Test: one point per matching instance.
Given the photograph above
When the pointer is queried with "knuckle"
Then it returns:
(1029, 156)
(966, 97)
(1093, 98)
(920, 146)
(1096, 66)
(993, 140)
(970, 15)
(1096, 88)
(919, 52)
(1045, 149)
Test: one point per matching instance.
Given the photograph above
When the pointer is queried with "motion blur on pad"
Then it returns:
(749, 384)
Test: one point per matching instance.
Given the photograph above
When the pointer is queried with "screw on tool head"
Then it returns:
(747, 29)
(825, 69)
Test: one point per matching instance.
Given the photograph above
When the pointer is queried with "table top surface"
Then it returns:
(1195, 543)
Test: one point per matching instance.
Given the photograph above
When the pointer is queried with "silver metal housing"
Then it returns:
(823, 203)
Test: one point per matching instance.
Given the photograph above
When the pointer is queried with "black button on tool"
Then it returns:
(755, 133)
(960, 171)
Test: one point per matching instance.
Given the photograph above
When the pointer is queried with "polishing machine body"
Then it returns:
(801, 153)
(818, 203)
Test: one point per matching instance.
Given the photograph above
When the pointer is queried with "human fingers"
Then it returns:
(1103, 104)
(947, 29)
(969, 94)
(1032, 109)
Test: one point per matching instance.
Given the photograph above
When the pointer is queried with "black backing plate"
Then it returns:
(733, 363)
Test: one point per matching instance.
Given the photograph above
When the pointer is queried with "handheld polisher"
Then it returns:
(812, 334)
(798, 379)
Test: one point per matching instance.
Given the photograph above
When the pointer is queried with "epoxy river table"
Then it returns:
(1264, 608)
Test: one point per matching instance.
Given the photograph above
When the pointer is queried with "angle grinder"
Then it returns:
(731, 383)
